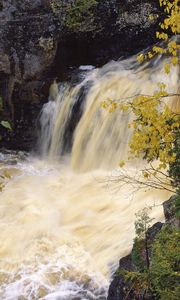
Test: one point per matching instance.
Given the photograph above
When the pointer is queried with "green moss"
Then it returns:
(77, 13)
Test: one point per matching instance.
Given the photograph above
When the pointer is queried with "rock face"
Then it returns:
(41, 39)
(169, 209)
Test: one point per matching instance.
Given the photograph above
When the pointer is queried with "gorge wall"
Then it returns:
(41, 40)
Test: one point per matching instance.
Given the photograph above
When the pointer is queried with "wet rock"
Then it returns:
(117, 289)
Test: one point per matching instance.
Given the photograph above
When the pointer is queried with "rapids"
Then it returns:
(64, 221)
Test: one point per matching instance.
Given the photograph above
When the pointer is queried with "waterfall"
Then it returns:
(64, 222)
(98, 139)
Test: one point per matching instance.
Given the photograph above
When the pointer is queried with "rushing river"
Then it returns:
(64, 220)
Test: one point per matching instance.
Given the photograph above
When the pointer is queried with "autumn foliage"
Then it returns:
(155, 126)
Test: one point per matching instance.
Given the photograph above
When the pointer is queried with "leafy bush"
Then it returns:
(160, 278)
(164, 271)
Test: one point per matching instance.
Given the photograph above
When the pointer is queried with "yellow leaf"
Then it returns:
(145, 174)
(150, 55)
(166, 68)
(174, 60)
(151, 17)
(121, 163)
(140, 58)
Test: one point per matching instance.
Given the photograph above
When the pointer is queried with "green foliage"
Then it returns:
(136, 255)
(139, 281)
(142, 223)
(161, 280)
(164, 270)
(174, 168)
(6, 125)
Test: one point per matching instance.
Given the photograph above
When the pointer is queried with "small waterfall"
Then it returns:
(58, 119)
(46, 119)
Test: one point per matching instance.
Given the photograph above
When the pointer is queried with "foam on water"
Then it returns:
(62, 233)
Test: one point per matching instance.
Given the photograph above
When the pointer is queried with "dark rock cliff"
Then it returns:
(41, 39)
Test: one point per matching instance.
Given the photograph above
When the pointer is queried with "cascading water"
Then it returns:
(63, 226)
(97, 130)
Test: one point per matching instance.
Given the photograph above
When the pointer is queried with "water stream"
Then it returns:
(64, 223)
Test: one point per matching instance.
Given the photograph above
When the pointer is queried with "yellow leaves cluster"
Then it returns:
(161, 36)
(167, 68)
(110, 105)
(154, 129)
(170, 23)
(155, 126)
